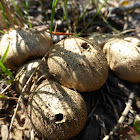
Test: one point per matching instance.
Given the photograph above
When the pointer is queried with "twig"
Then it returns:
(10, 98)
(92, 111)
(14, 97)
(124, 32)
(5, 89)
(23, 90)
(120, 121)
(124, 8)
(19, 99)
(111, 102)
(113, 106)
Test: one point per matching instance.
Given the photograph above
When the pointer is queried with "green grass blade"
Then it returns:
(42, 6)
(25, 3)
(1, 75)
(66, 14)
(17, 9)
(109, 25)
(83, 14)
(52, 15)
(2, 32)
(98, 11)
(5, 54)
(3, 96)
(137, 125)
(5, 70)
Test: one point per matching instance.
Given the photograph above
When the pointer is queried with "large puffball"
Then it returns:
(56, 112)
(123, 56)
(23, 44)
(79, 64)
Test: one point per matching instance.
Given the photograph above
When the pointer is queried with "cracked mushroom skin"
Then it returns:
(24, 44)
(79, 64)
(56, 112)
(123, 56)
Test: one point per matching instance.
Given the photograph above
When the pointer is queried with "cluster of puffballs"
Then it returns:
(55, 106)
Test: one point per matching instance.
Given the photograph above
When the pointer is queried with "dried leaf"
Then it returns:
(124, 3)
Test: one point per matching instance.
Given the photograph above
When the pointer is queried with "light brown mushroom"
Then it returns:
(123, 56)
(56, 112)
(24, 44)
(79, 64)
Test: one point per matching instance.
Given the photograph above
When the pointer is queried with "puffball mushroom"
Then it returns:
(23, 44)
(56, 112)
(123, 56)
(25, 71)
(79, 64)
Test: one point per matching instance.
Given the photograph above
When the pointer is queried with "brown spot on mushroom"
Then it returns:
(85, 45)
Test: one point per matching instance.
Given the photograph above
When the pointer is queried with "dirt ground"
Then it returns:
(106, 105)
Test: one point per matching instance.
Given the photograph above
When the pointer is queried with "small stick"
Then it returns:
(125, 8)
(10, 98)
(23, 90)
(120, 121)
(5, 89)
(113, 106)
(124, 32)
(14, 97)
(19, 99)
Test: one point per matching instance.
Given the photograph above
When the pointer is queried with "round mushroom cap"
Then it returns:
(123, 56)
(56, 112)
(79, 64)
(24, 72)
(24, 44)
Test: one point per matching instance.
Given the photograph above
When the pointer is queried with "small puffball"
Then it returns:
(123, 56)
(24, 44)
(79, 64)
(56, 112)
